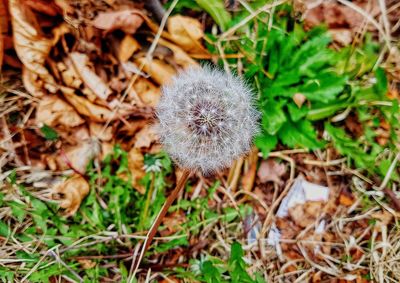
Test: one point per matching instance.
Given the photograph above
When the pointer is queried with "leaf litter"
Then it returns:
(82, 171)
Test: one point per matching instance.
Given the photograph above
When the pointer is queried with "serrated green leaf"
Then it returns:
(300, 134)
(266, 143)
(273, 117)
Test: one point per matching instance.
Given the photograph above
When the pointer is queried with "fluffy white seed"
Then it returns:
(207, 119)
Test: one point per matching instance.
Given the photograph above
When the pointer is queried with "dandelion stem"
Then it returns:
(153, 229)
(147, 203)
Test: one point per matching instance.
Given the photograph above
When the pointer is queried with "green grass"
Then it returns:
(283, 60)
(123, 214)
(279, 59)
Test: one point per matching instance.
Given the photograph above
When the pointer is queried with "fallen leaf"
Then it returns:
(89, 77)
(106, 149)
(95, 112)
(78, 157)
(271, 171)
(345, 198)
(186, 32)
(43, 6)
(249, 176)
(180, 56)
(53, 111)
(299, 99)
(146, 136)
(173, 222)
(32, 82)
(32, 48)
(127, 47)
(98, 131)
(342, 36)
(87, 263)
(305, 214)
(136, 168)
(339, 17)
(71, 192)
(127, 20)
(159, 71)
(146, 92)
(3, 29)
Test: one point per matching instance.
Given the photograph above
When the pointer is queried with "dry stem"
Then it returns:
(153, 229)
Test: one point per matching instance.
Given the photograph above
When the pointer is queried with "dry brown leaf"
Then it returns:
(146, 136)
(343, 22)
(89, 77)
(136, 165)
(342, 36)
(346, 200)
(71, 192)
(127, 47)
(186, 32)
(87, 263)
(250, 175)
(106, 149)
(43, 6)
(146, 92)
(95, 112)
(32, 48)
(271, 171)
(180, 56)
(173, 222)
(159, 71)
(53, 111)
(305, 214)
(299, 99)
(127, 20)
(3, 29)
(79, 156)
(97, 130)
(32, 82)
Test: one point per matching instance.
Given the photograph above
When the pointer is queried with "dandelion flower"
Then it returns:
(207, 119)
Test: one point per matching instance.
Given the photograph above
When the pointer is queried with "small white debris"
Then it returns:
(301, 192)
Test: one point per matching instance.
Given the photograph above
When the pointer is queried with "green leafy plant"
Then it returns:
(301, 80)
(214, 270)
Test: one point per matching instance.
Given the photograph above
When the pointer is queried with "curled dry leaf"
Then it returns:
(98, 131)
(3, 29)
(271, 171)
(32, 48)
(159, 71)
(136, 165)
(146, 136)
(299, 99)
(127, 47)
(127, 20)
(249, 176)
(53, 111)
(79, 156)
(94, 82)
(180, 56)
(32, 82)
(106, 149)
(145, 92)
(71, 192)
(95, 112)
(186, 32)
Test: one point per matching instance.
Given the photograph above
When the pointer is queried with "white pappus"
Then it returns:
(207, 119)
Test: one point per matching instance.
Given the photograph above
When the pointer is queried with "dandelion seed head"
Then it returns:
(207, 119)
